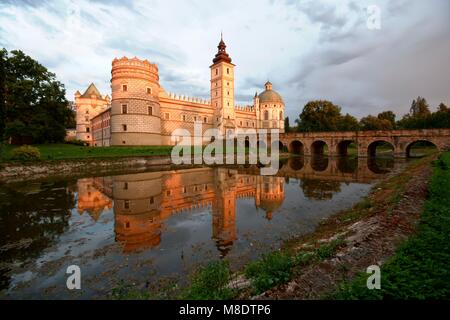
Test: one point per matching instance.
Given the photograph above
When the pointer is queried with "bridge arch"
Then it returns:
(296, 147)
(296, 163)
(419, 143)
(342, 147)
(318, 147)
(372, 147)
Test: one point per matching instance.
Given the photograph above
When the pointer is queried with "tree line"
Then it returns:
(322, 115)
(33, 106)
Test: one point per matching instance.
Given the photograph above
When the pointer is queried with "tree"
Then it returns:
(3, 54)
(287, 127)
(348, 123)
(442, 107)
(319, 115)
(388, 115)
(36, 110)
(374, 123)
(420, 107)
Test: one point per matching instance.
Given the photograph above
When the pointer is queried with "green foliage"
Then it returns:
(34, 108)
(389, 116)
(76, 142)
(274, 268)
(287, 127)
(26, 153)
(328, 250)
(420, 107)
(210, 283)
(375, 123)
(419, 268)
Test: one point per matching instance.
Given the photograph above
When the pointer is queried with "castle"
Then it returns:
(141, 112)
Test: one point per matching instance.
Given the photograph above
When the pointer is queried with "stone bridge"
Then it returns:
(311, 143)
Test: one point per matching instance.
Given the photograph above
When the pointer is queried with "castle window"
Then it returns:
(166, 116)
(88, 137)
(127, 225)
(228, 83)
(126, 204)
(228, 104)
(168, 192)
(228, 70)
(281, 115)
(266, 115)
(149, 90)
(152, 200)
(184, 117)
(217, 72)
(123, 142)
(184, 190)
(150, 111)
(125, 186)
(87, 111)
(205, 119)
(240, 123)
(228, 92)
(124, 127)
(86, 118)
(124, 88)
(216, 104)
(124, 109)
(88, 129)
(247, 124)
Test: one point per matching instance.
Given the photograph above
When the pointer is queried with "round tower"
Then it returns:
(135, 108)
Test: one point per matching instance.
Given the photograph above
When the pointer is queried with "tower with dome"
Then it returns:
(142, 112)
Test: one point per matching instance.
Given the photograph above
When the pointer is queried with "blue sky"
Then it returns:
(308, 49)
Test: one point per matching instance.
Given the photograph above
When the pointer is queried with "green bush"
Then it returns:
(210, 283)
(25, 153)
(76, 142)
(274, 268)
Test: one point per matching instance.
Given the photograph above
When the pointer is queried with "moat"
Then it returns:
(150, 228)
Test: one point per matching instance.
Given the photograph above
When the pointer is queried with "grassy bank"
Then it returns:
(420, 267)
(72, 152)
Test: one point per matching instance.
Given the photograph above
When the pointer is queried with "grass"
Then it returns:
(419, 269)
(73, 152)
(210, 283)
(278, 267)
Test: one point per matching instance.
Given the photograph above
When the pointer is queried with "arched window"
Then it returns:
(281, 115)
(266, 115)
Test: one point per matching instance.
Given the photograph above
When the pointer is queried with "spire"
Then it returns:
(222, 54)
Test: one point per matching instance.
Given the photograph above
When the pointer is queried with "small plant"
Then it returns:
(210, 283)
(26, 153)
(76, 142)
(272, 269)
(328, 250)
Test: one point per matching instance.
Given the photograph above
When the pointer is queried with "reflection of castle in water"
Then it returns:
(142, 202)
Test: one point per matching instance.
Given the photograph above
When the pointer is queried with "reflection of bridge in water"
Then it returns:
(143, 201)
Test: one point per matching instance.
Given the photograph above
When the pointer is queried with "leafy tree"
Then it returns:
(287, 127)
(348, 123)
(388, 115)
(319, 115)
(374, 123)
(3, 54)
(442, 107)
(420, 107)
(36, 109)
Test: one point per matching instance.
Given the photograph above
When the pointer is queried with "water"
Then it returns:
(149, 228)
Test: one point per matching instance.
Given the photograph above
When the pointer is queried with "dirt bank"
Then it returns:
(14, 172)
(371, 231)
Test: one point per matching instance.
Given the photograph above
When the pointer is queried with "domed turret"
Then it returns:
(269, 95)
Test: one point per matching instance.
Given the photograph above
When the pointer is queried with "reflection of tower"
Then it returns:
(137, 210)
(91, 199)
(270, 194)
(224, 210)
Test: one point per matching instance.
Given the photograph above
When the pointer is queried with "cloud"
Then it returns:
(308, 49)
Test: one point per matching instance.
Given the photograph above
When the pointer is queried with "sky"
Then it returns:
(365, 56)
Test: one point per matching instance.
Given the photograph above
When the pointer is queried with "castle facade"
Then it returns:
(141, 112)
